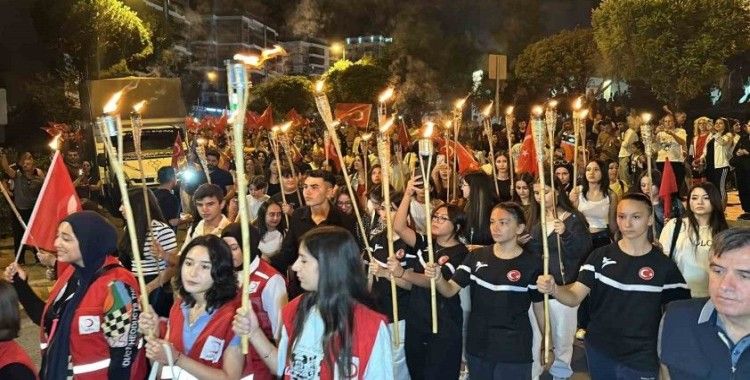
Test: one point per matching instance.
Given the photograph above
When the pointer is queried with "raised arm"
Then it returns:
(400, 225)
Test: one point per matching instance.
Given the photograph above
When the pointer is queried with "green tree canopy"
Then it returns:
(358, 82)
(283, 93)
(678, 48)
(564, 61)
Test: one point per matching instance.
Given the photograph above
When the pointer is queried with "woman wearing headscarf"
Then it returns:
(90, 320)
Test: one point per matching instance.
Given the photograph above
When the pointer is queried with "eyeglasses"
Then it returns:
(440, 219)
(344, 203)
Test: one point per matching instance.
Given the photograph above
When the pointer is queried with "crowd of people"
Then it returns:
(654, 285)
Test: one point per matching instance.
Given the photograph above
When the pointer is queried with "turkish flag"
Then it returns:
(57, 200)
(356, 114)
(297, 119)
(177, 151)
(464, 158)
(265, 120)
(668, 187)
(331, 153)
(403, 136)
(527, 159)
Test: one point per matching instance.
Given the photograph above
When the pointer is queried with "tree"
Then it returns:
(677, 48)
(283, 93)
(358, 82)
(562, 62)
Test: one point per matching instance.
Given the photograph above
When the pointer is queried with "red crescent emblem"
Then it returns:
(400, 254)
(442, 260)
(646, 273)
(514, 275)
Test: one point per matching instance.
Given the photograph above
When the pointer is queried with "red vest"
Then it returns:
(258, 280)
(11, 353)
(209, 347)
(89, 349)
(366, 325)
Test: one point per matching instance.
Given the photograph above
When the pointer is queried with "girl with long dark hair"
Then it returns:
(479, 192)
(158, 256)
(428, 355)
(328, 332)
(502, 279)
(569, 224)
(688, 240)
(502, 176)
(597, 203)
(629, 282)
(271, 226)
(522, 192)
(199, 339)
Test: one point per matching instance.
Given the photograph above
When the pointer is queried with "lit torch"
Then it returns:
(136, 123)
(426, 151)
(509, 119)
(486, 113)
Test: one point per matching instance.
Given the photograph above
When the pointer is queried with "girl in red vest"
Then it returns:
(90, 320)
(267, 294)
(199, 342)
(327, 332)
(15, 363)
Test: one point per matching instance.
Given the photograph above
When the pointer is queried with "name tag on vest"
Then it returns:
(212, 349)
(88, 324)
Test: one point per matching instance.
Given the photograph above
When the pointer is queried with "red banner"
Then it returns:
(356, 114)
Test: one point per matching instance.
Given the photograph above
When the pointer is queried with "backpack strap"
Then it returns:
(675, 233)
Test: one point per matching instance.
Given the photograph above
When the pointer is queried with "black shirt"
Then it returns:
(502, 291)
(626, 300)
(294, 199)
(221, 178)
(503, 185)
(169, 203)
(449, 313)
(381, 287)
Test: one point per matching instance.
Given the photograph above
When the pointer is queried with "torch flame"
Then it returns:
(428, 126)
(578, 103)
(509, 110)
(111, 105)
(201, 141)
(55, 143)
(367, 136)
(487, 111)
(552, 103)
(250, 60)
(319, 86)
(274, 52)
(138, 107)
(387, 125)
(584, 113)
(284, 128)
(448, 124)
(275, 129)
(537, 111)
(459, 104)
(646, 117)
(385, 95)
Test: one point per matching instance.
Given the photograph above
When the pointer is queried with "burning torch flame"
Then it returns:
(138, 107)
(387, 125)
(537, 111)
(459, 104)
(552, 103)
(578, 104)
(448, 124)
(509, 110)
(428, 130)
(367, 136)
(646, 117)
(385, 95)
(584, 113)
(487, 111)
(275, 130)
(319, 86)
(55, 143)
(250, 60)
(201, 141)
(284, 128)
(111, 105)
(255, 60)
(274, 52)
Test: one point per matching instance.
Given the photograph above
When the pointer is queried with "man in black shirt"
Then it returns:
(290, 187)
(219, 176)
(169, 202)
(318, 212)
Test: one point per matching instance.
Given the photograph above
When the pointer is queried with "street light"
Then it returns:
(337, 48)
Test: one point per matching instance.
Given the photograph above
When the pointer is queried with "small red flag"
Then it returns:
(331, 153)
(527, 159)
(464, 158)
(297, 119)
(356, 114)
(667, 187)
(265, 120)
(57, 200)
(403, 136)
(177, 151)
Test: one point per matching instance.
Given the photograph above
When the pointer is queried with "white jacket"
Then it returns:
(722, 149)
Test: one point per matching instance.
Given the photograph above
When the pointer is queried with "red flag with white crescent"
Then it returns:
(356, 114)
(527, 159)
(56, 200)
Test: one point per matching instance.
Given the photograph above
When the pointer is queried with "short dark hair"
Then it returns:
(259, 182)
(165, 174)
(323, 174)
(224, 288)
(10, 317)
(207, 190)
(514, 209)
(213, 152)
(730, 239)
